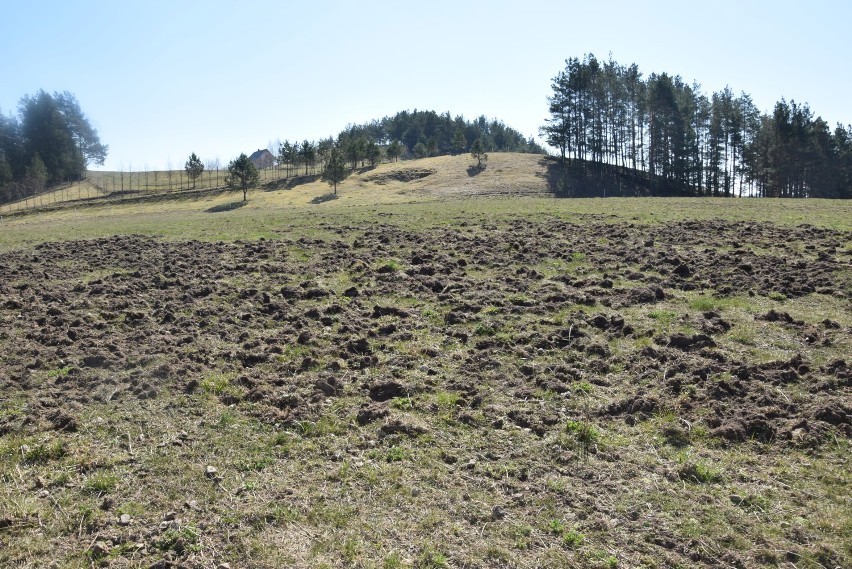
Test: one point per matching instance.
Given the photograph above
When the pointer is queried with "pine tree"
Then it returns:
(194, 168)
(335, 170)
(37, 175)
(374, 153)
(54, 127)
(242, 175)
(324, 147)
(394, 150)
(285, 156)
(432, 147)
(355, 149)
(459, 143)
(477, 150)
(420, 150)
(308, 153)
(5, 172)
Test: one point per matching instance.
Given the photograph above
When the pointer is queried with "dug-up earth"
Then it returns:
(523, 393)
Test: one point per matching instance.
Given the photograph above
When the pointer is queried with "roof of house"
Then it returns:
(258, 154)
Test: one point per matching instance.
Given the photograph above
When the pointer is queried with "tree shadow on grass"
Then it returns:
(225, 207)
(475, 170)
(289, 183)
(581, 179)
(323, 198)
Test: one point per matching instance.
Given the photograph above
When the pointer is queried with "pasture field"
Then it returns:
(435, 368)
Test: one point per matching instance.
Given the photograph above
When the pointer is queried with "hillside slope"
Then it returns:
(505, 174)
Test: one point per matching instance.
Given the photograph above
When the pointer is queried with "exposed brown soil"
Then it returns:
(403, 175)
(299, 322)
(242, 303)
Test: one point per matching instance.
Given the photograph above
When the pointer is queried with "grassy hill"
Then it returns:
(439, 368)
(407, 189)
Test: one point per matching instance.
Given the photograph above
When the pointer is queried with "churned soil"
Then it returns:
(540, 326)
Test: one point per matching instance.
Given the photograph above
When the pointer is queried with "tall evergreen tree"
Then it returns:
(285, 157)
(5, 174)
(308, 154)
(459, 143)
(194, 168)
(394, 150)
(843, 143)
(46, 133)
(558, 127)
(355, 149)
(324, 147)
(54, 127)
(335, 170)
(242, 175)
(37, 175)
(84, 135)
(420, 150)
(11, 159)
(374, 153)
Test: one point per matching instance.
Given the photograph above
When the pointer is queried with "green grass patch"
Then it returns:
(402, 403)
(102, 483)
(179, 539)
(703, 304)
(219, 384)
(584, 431)
(44, 452)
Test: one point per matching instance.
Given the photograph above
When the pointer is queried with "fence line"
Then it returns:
(144, 182)
(148, 181)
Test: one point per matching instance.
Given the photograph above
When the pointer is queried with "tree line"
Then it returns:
(605, 116)
(408, 134)
(427, 133)
(49, 142)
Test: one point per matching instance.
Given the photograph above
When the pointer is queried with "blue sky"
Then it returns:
(162, 79)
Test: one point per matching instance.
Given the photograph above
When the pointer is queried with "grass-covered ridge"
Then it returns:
(513, 185)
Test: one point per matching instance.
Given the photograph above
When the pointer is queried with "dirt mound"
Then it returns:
(403, 175)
